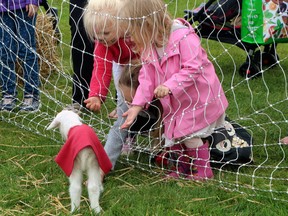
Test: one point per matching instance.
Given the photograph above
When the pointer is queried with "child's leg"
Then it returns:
(116, 137)
(117, 70)
(27, 52)
(8, 55)
(200, 155)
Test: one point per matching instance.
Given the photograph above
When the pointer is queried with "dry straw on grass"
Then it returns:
(47, 42)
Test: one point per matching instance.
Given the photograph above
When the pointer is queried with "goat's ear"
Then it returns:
(54, 124)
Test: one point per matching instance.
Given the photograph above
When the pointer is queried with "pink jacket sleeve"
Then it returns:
(145, 90)
(192, 57)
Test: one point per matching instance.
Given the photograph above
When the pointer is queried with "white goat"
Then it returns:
(91, 154)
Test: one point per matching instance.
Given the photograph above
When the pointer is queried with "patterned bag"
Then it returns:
(264, 21)
(231, 144)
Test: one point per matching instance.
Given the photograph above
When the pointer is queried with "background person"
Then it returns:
(17, 32)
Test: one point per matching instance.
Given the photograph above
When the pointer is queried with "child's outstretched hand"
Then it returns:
(284, 140)
(131, 114)
(161, 91)
(31, 9)
(93, 103)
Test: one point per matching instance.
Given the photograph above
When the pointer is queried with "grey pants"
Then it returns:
(116, 137)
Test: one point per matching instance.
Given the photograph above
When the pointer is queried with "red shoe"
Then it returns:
(182, 166)
(168, 156)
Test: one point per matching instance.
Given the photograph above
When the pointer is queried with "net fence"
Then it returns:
(253, 76)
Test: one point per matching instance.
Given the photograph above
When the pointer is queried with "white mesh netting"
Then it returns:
(253, 77)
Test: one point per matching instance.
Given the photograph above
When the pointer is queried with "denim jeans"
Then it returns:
(17, 35)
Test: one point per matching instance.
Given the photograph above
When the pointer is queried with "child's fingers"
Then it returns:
(127, 122)
(125, 125)
(284, 140)
(125, 114)
(92, 105)
(95, 107)
(30, 10)
(161, 91)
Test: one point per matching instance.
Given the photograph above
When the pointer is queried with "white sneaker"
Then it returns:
(30, 104)
(8, 103)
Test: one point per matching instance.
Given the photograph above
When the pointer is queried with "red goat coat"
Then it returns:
(80, 137)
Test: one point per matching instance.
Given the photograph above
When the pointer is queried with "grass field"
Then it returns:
(32, 183)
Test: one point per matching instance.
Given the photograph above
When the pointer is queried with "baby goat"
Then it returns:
(82, 151)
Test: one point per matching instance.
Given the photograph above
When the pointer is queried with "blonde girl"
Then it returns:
(176, 70)
(111, 46)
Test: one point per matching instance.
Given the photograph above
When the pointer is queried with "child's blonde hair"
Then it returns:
(149, 22)
(101, 14)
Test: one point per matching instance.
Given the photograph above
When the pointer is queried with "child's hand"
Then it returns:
(93, 103)
(131, 114)
(31, 9)
(161, 91)
(284, 140)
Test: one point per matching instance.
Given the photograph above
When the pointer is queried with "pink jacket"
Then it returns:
(197, 97)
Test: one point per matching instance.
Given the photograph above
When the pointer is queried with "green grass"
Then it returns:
(32, 183)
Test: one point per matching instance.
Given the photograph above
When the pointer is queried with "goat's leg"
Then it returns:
(75, 188)
(94, 186)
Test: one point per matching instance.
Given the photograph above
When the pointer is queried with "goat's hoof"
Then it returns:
(74, 209)
(97, 209)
